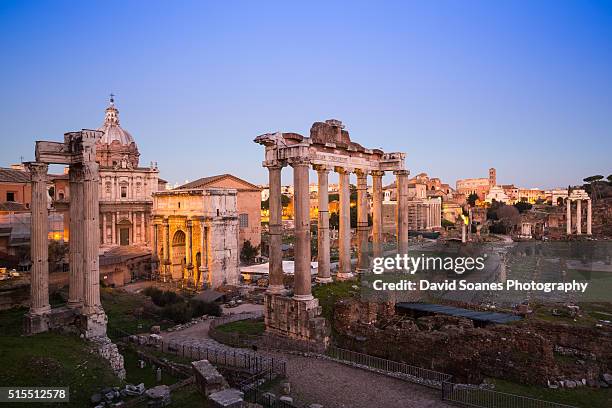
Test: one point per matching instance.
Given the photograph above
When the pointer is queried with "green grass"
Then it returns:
(124, 311)
(54, 359)
(146, 375)
(584, 397)
(50, 359)
(250, 327)
(330, 293)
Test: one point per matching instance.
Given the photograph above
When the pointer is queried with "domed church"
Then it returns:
(126, 188)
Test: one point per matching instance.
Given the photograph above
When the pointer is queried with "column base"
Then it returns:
(74, 304)
(93, 325)
(345, 275)
(276, 290)
(319, 279)
(35, 323)
(303, 298)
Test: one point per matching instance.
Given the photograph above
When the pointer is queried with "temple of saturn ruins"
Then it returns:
(84, 309)
(328, 148)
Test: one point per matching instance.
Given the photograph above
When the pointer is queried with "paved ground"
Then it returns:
(336, 385)
(331, 384)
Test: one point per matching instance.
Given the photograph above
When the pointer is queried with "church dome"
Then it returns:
(112, 130)
(116, 147)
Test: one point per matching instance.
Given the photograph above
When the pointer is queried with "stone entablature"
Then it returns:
(329, 148)
(195, 237)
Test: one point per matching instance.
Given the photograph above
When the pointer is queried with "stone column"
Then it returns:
(91, 241)
(39, 243)
(344, 233)
(324, 273)
(143, 239)
(75, 256)
(155, 240)
(103, 236)
(402, 210)
(276, 276)
(302, 289)
(579, 217)
(113, 228)
(203, 253)
(166, 247)
(363, 229)
(377, 220)
(189, 251)
(568, 216)
(589, 218)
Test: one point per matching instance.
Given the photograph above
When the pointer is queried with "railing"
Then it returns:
(419, 375)
(472, 396)
(251, 387)
(245, 360)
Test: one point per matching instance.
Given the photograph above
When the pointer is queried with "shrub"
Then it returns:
(200, 308)
(177, 312)
(162, 298)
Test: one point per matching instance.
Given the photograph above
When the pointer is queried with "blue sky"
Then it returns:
(460, 86)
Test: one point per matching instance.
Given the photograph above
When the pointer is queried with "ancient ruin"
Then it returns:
(578, 196)
(195, 237)
(329, 148)
(84, 309)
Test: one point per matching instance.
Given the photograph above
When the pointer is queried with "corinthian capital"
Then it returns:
(299, 161)
(38, 171)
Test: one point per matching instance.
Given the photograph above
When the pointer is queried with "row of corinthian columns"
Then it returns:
(302, 267)
(84, 275)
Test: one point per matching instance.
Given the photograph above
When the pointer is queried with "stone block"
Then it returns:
(228, 398)
(208, 378)
(35, 323)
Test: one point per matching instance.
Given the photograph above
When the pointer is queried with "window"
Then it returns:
(244, 220)
(123, 191)
(10, 196)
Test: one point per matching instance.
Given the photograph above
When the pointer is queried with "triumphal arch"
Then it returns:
(329, 148)
(84, 309)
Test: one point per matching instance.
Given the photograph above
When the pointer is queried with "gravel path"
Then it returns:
(336, 385)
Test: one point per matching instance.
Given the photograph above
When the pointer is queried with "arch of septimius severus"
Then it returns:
(329, 148)
(78, 151)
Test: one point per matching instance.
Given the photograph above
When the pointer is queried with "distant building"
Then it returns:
(496, 193)
(479, 186)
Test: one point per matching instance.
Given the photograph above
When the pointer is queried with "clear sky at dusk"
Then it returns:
(460, 86)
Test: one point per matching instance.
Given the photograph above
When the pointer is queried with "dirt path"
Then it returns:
(336, 385)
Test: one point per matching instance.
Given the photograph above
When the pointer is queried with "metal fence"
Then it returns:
(419, 375)
(251, 387)
(472, 396)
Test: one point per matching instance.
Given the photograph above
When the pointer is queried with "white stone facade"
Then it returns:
(195, 237)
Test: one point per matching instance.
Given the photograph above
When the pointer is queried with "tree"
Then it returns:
(508, 217)
(523, 206)
(248, 252)
(472, 198)
(592, 183)
(610, 179)
(285, 200)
